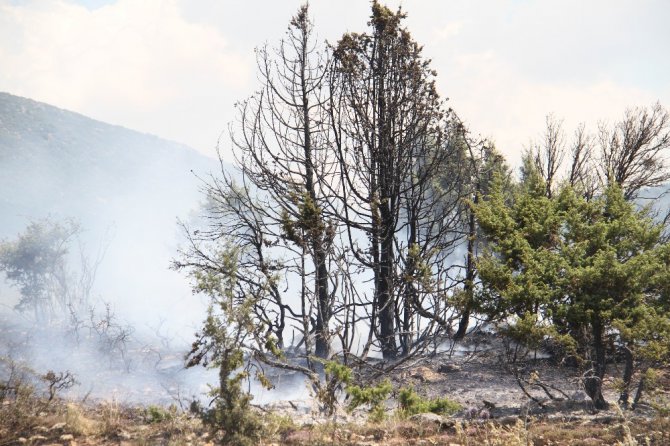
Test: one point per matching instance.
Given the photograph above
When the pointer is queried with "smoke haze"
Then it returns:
(126, 190)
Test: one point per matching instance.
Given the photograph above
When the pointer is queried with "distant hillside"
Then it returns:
(123, 186)
(57, 162)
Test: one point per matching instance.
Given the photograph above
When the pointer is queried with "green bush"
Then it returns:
(412, 403)
(157, 414)
(371, 396)
(339, 378)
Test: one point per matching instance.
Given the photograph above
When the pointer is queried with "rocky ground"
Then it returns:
(479, 377)
(495, 412)
(476, 374)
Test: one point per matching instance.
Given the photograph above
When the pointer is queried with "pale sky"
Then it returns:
(175, 68)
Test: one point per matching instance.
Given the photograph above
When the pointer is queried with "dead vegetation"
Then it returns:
(31, 414)
(30, 422)
(27, 417)
(464, 398)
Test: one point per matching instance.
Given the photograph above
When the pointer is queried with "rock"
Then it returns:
(426, 374)
(579, 396)
(42, 429)
(66, 437)
(432, 418)
(507, 421)
(489, 405)
(58, 426)
(35, 438)
(22, 440)
(449, 368)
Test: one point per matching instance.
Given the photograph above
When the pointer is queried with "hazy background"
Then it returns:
(174, 68)
(126, 190)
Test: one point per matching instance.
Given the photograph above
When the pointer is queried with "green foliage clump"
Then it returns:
(534, 334)
(231, 415)
(36, 264)
(588, 274)
(339, 372)
(338, 376)
(220, 344)
(308, 223)
(339, 379)
(371, 396)
(158, 414)
(411, 403)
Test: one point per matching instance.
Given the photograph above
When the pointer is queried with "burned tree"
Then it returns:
(633, 150)
(272, 211)
(281, 151)
(389, 133)
(549, 155)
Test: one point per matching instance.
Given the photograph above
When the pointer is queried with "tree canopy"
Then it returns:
(585, 273)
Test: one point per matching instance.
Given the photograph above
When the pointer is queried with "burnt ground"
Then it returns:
(478, 375)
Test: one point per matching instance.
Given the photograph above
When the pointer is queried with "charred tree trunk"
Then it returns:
(410, 292)
(640, 389)
(388, 114)
(593, 384)
(386, 301)
(627, 376)
(317, 231)
(470, 273)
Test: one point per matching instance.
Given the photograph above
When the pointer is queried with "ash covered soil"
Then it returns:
(552, 410)
(477, 374)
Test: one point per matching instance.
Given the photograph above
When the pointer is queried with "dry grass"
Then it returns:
(536, 432)
(29, 419)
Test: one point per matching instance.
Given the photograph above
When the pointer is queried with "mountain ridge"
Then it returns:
(52, 158)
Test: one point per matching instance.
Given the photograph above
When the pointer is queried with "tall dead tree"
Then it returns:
(633, 151)
(581, 175)
(549, 155)
(387, 121)
(273, 208)
(281, 140)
